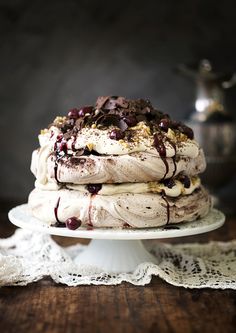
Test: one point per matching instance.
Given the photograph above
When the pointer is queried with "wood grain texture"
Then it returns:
(158, 307)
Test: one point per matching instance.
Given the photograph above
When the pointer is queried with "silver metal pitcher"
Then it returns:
(214, 127)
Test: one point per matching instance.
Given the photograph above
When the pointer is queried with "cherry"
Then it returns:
(130, 120)
(187, 131)
(73, 223)
(63, 147)
(175, 124)
(86, 109)
(169, 183)
(164, 124)
(116, 134)
(94, 188)
(59, 137)
(185, 180)
(73, 113)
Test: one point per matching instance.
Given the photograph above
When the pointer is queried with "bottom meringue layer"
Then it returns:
(119, 210)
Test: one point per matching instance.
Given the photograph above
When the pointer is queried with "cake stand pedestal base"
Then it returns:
(115, 256)
(117, 250)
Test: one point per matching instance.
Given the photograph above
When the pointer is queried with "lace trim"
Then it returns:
(28, 257)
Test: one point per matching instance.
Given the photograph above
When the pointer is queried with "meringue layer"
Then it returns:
(132, 168)
(137, 210)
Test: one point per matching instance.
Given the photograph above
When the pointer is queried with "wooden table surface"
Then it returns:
(158, 307)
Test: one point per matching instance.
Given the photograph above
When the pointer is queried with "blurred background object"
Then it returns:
(214, 126)
(58, 54)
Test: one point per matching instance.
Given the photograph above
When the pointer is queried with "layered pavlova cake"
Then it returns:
(120, 163)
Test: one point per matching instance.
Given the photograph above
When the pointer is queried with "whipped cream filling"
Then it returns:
(138, 210)
(100, 141)
(151, 187)
(112, 189)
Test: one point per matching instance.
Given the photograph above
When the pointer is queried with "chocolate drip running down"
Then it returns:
(161, 149)
(73, 144)
(55, 171)
(175, 167)
(56, 210)
(167, 206)
(58, 224)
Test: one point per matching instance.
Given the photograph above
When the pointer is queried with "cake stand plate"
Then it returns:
(117, 250)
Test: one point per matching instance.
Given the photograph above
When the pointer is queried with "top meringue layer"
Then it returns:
(115, 126)
(98, 140)
(118, 126)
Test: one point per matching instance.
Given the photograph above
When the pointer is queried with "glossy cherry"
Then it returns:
(73, 223)
(86, 109)
(164, 124)
(185, 180)
(63, 146)
(94, 188)
(130, 120)
(73, 113)
(116, 134)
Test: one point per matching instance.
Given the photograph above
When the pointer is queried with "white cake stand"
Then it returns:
(117, 250)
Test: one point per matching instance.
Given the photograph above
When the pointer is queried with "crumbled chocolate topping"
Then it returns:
(119, 112)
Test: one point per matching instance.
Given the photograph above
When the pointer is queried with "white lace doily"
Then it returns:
(28, 257)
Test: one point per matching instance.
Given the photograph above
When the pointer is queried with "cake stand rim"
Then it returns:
(19, 217)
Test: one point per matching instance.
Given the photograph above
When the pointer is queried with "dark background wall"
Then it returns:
(58, 54)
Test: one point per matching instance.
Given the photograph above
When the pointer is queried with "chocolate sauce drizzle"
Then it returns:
(161, 149)
(58, 224)
(60, 149)
(56, 210)
(55, 171)
(73, 144)
(163, 195)
(174, 157)
(175, 167)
